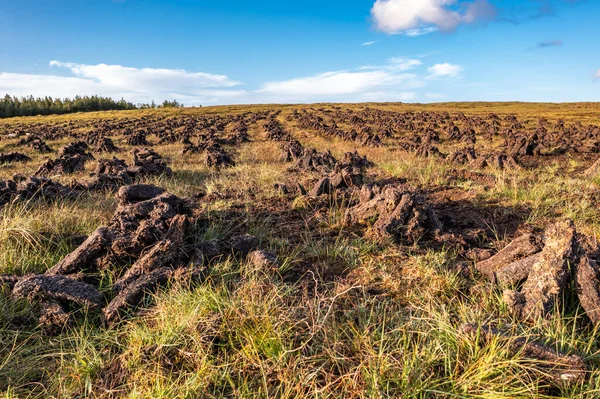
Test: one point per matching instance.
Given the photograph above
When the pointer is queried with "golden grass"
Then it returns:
(362, 319)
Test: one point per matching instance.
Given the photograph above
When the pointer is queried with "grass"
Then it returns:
(343, 316)
(34, 236)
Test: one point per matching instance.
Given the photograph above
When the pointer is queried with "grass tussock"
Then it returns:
(343, 316)
(34, 236)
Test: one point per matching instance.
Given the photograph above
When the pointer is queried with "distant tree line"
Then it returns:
(30, 106)
(165, 104)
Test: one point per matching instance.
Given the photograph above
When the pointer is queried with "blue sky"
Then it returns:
(264, 51)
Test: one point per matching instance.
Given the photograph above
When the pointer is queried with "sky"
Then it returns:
(210, 52)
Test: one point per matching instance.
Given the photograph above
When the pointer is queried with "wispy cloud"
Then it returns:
(368, 43)
(435, 96)
(395, 64)
(418, 31)
(336, 83)
(388, 82)
(549, 43)
(398, 79)
(402, 64)
(133, 84)
(598, 74)
(155, 78)
(531, 10)
(418, 17)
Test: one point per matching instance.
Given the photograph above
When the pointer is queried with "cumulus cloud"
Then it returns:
(444, 70)
(133, 84)
(417, 17)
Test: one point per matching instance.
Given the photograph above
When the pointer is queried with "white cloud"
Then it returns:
(133, 84)
(368, 44)
(444, 70)
(160, 79)
(403, 64)
(393, 81)
(419, 31)
(46, 85)
(598, 74)
(335, 83)
(396, 80)
(417, 17)
(396, 64)
(388, 82)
